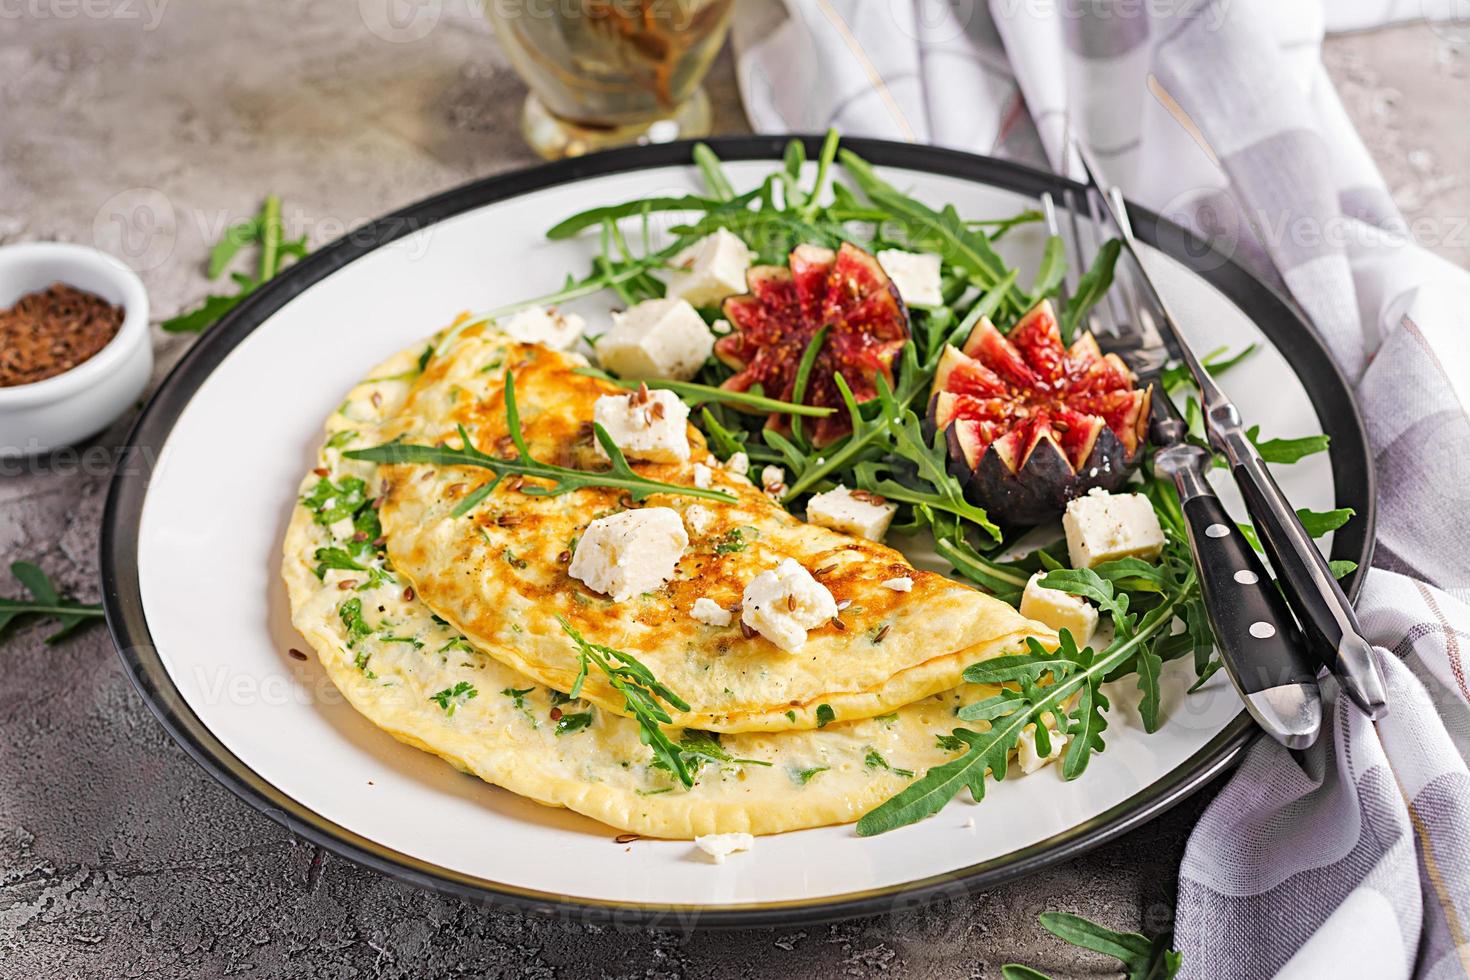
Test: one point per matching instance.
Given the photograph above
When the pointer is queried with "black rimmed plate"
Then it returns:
(192, 530)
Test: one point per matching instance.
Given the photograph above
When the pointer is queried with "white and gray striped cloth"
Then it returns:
(1352, 859)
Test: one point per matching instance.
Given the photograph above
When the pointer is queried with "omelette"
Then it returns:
(416, 675)
(497, 564)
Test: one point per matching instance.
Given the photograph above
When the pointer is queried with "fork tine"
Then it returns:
(1116, 315)
(1054, 229)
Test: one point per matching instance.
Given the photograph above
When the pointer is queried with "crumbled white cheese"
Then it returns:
(773, 481)
(901, 584)
(914, 274)
(1103, 526)
(721, 846)
(699, 518)
(738, 464)
(630, 552)
(544, 325)
(342, 529)
(781, 604)
(658, 338)
(1028, 757)
(710, 269)
(721, 327)
(856, 512)
(1059, 610)
(711, 613)
(648, 425)
(702, 476)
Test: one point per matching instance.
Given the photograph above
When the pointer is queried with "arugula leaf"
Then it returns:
(1143, 958)
(263, 230)
(235, 238)
(619, 476)
(1315, 522)
(803, 376)
(1088, 584)
(694, 394)
(45, 601)
(1091, 287)
(825, 715)
(641, 693)
(703, 748)
(1052, 269)
(593, 217)
(714, 174)
(1287, 451)
(943, 231)
(988, 752)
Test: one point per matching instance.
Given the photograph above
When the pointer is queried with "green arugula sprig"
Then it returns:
(45, 600)
(263, 230)
(694, 394)
(619, 476)
(641, 693)
(1143, 958)
(1073, 673)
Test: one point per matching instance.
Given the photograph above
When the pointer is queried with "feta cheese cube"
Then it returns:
(773, 481)
(630, 552)
(738, 464)
(721, 846)
(702, 476)
(699, 518)
(713, 268)
(1059, 610)
(342, 528)
(901, 584)
(648, 425)
(856, 512)
(1104, 526)
(543, 325)
(711, 613)
(658, 338)
(781, 604)
(1028, 757)
(914, 274)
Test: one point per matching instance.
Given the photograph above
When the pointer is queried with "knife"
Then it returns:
(1327, 618)
(1255, 634)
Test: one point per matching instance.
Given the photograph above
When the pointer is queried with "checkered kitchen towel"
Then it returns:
(1352, 859)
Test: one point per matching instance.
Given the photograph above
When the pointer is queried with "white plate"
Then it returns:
(205, 628)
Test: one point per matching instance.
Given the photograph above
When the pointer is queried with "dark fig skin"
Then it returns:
(1041, 488)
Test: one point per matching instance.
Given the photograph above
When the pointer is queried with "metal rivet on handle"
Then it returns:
(1262, 631)
(1247, 577)
(1216, 531)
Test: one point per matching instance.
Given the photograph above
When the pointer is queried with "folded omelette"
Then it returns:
(499, 573)
(415, 675)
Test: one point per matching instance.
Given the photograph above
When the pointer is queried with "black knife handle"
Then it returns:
(1326, 615)
(1255, 634)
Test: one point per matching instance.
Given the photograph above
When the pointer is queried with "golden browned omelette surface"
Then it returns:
(499, 573)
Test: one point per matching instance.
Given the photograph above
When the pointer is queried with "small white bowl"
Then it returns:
(67, 408)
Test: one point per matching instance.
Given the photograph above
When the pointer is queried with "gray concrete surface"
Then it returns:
(119, 856)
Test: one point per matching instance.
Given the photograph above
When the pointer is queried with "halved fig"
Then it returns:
(1032, 423)
(846, 290)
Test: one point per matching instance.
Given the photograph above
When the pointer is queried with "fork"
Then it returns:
(1260, 645)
